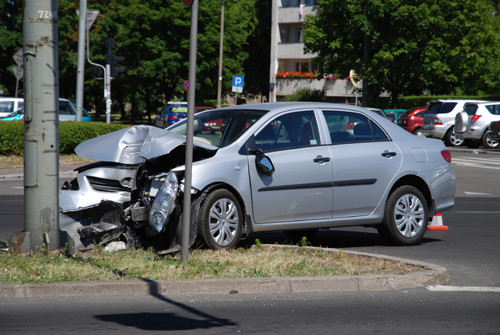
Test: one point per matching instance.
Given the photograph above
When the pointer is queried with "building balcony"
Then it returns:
(332, 88)
(292, 14)
(292, 51)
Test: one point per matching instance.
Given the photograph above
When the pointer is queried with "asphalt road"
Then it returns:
(417, 311)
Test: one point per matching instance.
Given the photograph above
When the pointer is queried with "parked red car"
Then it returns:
(412, 119)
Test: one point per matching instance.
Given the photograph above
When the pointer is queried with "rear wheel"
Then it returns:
(220, 220)
(405, 217)
(418, 132)
(488, 143)
(452, 140)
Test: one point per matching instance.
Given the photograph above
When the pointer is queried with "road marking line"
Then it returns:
(476, 193)
(478, 212)
(477, 160)
(442, 288)
(478, 166)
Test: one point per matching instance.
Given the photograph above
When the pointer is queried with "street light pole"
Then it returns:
(80, 73)
(186, 210)
(221, 53)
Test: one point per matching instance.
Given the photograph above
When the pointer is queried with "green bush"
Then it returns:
(11, 138)
(305, 94)
(70, 135)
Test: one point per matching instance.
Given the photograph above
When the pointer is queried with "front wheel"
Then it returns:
(405, 217)
(220, 220)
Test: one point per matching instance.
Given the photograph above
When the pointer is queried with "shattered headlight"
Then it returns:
(164, 202)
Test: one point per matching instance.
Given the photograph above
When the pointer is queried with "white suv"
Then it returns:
(439, 120)
(9, 105)
(474, 122)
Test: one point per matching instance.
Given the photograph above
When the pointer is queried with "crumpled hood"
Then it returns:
(133, 145)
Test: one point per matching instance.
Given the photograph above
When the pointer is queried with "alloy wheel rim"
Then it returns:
(456, 141)
(409, 215)
(223, 221)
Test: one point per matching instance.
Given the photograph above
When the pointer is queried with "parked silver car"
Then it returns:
(439, 120)
(280, 166)
(474, 121)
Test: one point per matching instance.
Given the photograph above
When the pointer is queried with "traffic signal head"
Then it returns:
(112, 59)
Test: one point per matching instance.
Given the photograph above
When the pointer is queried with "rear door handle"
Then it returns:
(388, 153)
(321, 159)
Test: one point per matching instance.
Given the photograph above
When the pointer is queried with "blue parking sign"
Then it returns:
(238, 84)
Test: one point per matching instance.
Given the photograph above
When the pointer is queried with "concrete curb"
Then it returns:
(16, 176)
(430, 275)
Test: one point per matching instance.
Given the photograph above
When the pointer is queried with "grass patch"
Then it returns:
(258, 261)
(13, 160)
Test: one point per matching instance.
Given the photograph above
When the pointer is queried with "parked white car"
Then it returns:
(439, 120)
(10, 105)
(474, 122)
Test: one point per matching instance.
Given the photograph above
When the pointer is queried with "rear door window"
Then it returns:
(346, 127)
(493, 109)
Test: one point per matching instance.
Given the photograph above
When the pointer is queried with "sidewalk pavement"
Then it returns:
(429, 275)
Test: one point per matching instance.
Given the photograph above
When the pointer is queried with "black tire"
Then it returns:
(451, 140)
(418, 132)
(488, 143)
(220, 220)
(405, 217)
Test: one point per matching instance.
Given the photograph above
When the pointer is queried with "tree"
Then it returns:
(411, 46)
(153, 36)
(11, 40)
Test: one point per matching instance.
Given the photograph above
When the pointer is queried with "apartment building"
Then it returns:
(291, 68)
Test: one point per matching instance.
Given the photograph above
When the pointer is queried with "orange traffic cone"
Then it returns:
(437, 223)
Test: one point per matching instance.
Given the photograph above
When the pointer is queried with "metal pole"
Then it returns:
(186, 224)
(80, 71)
(41, 127)
(107, 92)
(221, 54)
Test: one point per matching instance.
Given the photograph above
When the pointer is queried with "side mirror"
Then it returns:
(263, 163)
(461, 121)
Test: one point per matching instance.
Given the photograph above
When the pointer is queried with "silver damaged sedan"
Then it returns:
(291, 167)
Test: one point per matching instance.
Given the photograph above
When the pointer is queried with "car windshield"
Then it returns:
(219, 127)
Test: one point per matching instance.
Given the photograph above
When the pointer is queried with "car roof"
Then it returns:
(284, 106)
(484, 103)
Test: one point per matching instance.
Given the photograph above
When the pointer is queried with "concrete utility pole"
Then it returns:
(41, 127)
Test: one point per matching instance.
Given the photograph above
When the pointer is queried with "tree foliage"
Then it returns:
(153, 36)
(409, 46)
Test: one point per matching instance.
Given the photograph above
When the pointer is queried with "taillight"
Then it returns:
(174, 118)
(475, 118)
(446, 155)
(437, 121)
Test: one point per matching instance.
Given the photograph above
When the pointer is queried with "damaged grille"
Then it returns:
(107, 185)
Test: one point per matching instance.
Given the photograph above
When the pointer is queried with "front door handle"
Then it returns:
(388, 153)
(321, 159)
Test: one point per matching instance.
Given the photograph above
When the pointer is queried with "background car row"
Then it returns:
(67, 110)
